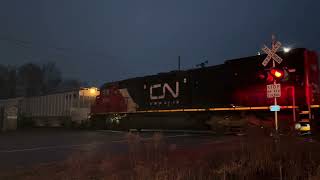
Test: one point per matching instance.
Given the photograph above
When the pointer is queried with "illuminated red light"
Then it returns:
(276, 73)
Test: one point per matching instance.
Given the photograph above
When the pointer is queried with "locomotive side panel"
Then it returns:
(210, 87)
(132, 91)
(166, 91)
(163, 91)
(234, 83)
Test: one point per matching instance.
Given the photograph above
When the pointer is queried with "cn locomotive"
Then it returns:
(230, 94)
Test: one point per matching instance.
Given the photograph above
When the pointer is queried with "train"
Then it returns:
(224, 97)
(232, 94)
(68, 108)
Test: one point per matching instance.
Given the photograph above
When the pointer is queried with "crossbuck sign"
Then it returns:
(272, 53)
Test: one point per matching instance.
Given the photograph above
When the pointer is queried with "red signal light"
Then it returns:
(277, 73)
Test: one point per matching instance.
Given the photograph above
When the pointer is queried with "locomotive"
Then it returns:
(232, 94)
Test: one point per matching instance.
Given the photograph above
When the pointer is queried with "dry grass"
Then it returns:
(253, 157)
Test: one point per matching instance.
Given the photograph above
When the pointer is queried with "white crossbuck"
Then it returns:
(272, 53)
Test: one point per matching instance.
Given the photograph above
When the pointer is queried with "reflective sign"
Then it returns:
(273, 90)
(275, 108)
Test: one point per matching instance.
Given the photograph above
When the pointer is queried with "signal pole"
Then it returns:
(274, 89)
(275, 82)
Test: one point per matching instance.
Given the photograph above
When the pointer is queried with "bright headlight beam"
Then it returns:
(286, 49)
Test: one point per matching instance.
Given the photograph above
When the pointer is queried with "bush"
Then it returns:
(253, 157)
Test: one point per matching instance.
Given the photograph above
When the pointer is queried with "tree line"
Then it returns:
(32, 80)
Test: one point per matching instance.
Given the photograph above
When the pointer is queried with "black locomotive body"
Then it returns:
(190, 98)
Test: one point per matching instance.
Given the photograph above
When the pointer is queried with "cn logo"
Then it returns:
(165, 88)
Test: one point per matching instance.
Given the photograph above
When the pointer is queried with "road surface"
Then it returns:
(41, 146)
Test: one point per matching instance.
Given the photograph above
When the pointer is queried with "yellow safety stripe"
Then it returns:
(304, 112)
(260, 108)
(289, 107)
(214, 109)
(173, 110)
(239, 108)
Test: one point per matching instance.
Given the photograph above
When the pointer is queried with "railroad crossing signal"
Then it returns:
(273, 90)
(272, 53)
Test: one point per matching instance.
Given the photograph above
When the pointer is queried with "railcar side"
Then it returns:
(192, 98)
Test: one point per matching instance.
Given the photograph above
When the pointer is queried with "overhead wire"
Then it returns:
(60, 51)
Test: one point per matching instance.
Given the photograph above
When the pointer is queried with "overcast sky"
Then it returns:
(105, 40)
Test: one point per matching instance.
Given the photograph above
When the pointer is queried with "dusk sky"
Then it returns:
(106, 40)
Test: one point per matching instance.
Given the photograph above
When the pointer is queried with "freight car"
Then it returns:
(57, 109)
(67, 108)
(229, 94)
(9, 114)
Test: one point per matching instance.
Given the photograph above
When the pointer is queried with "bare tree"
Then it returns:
(51, 77)
(30, 80)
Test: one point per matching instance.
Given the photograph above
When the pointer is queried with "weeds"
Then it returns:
(246, 158)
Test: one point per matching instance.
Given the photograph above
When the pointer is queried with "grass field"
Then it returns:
(254, 156)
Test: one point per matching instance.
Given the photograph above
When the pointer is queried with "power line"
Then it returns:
(29, 45)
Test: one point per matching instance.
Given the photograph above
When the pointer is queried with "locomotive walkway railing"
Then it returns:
(218, 109)
(210, 109)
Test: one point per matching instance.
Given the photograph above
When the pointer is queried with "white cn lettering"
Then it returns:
(152, 97)
(165, 88)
